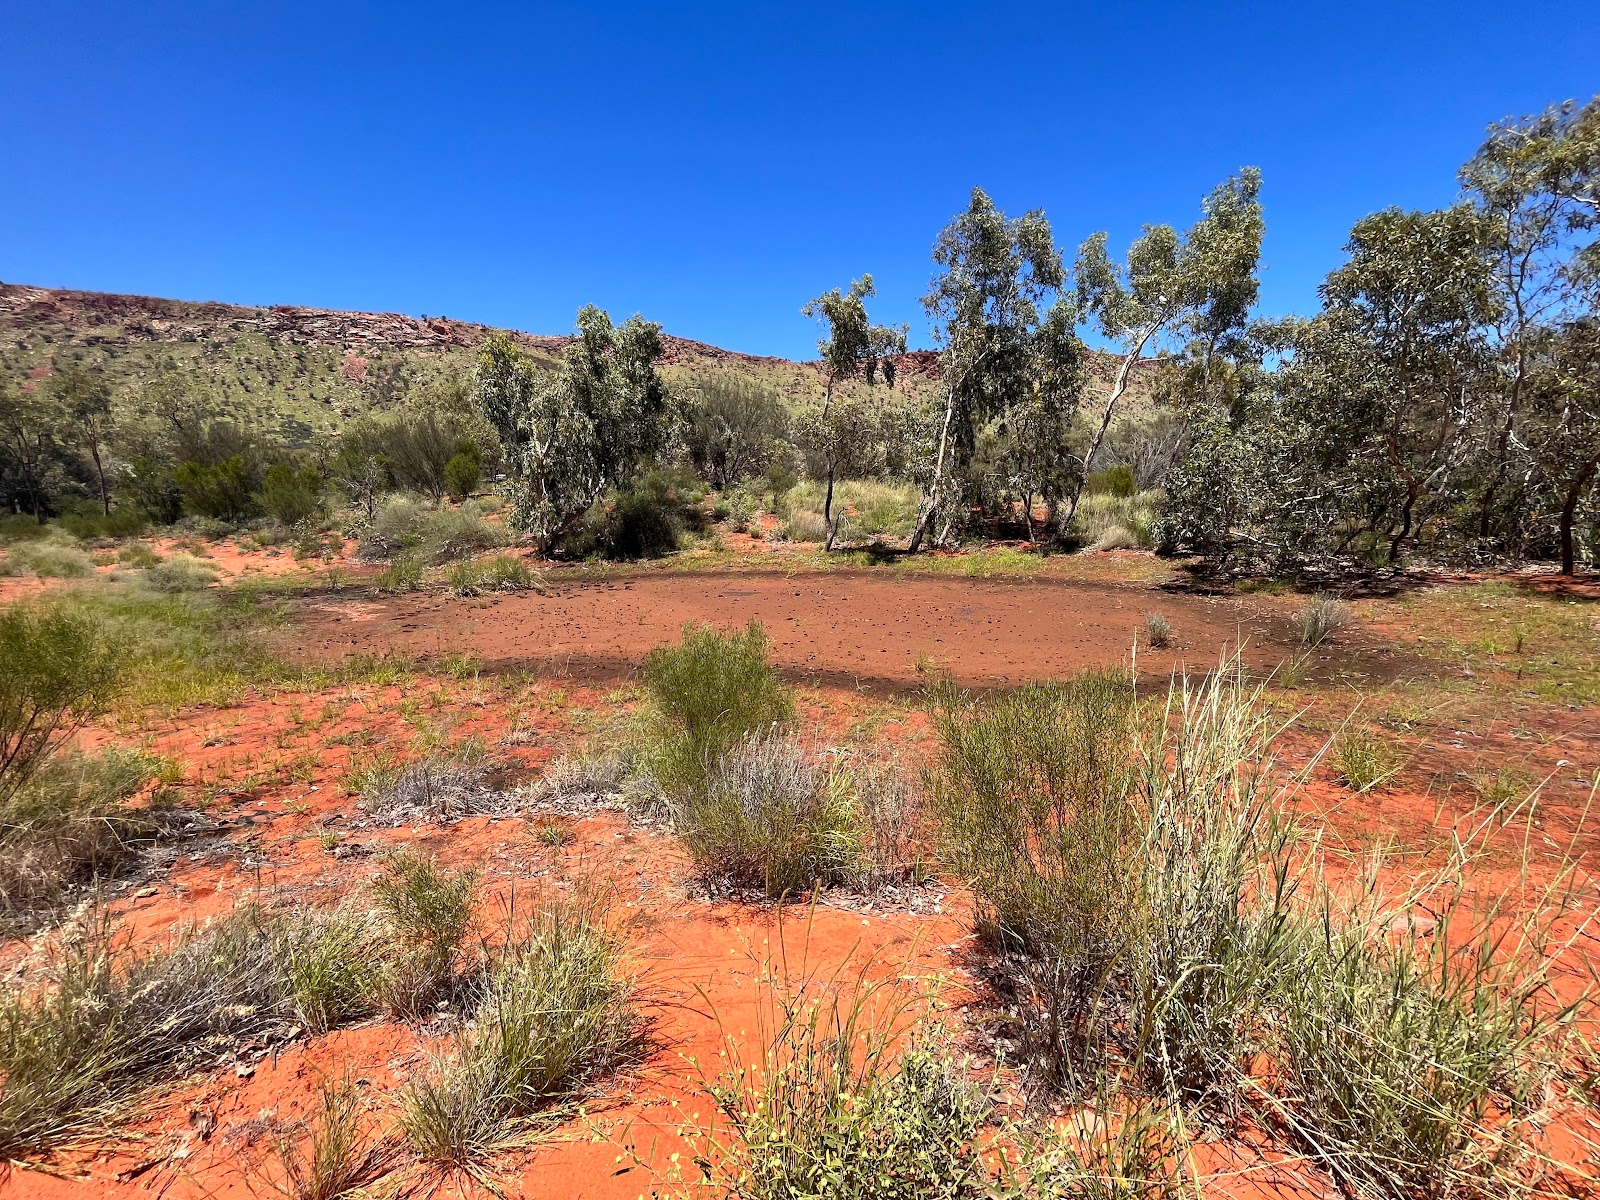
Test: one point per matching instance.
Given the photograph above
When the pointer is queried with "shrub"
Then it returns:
(1116, 481)
(556, 1011)
(332, 963)
(1033, 791)
(429, 912)
(707, 693)
(1363, 760)
(394, 528)
(222, 491)
(502, 573)
(463, 473)
(180, 573)
(646, 520)
(1322, 617)
(1159, 630)
(291, 494)
(767, 818)
(448, 534)
(56, 671)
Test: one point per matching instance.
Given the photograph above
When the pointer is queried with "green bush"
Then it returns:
(1113, 481)
(646, 520)
(1111, 521)
(223, 491)
(463, 473)
(292, 493)
(706, 694)
(180, 573)
(57, 670)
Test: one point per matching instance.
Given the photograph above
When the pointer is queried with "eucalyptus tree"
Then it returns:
(571, 434)
(83, 398)
(852, 348)
(988, 305)
(1527, 183)
(1198, 288)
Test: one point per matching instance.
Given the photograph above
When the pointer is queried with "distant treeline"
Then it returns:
(1444, 403)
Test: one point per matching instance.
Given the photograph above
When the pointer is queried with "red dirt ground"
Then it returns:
(272, 772)
(849, 628)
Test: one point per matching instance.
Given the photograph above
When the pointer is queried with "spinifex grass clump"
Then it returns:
(335, 1153)
(1321, 618)
(555, 1010)
(1409, 1033)
(770, 818)
(1416, 1031)
(706, 694)
(105, 1023)
(430, 912)
(1363, 759)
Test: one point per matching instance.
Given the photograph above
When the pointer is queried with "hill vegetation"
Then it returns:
(1443, 404)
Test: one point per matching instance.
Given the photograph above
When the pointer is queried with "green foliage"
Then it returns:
(47, 560)
(224, 490)
(736, 428)
(463, 472)
(1411, 1056)
(57, 671)
(572, 435)
(180, 573)
(1107, 521)
(1364, 759)
(646, 520)
(404, 528)
(429, 911)
(862, 508)
(706, 694)
(291, 493)
(1113, 481)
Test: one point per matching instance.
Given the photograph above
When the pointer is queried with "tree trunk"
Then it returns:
(827, 512)
(1118, 387)
(931, 504)
(100, 472)
(1569, 511)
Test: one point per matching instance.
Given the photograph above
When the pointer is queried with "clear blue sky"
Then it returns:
(713, 166)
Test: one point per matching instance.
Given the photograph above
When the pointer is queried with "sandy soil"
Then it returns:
(271, 772)
(849, 628)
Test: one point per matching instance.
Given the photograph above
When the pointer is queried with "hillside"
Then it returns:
(303, 371)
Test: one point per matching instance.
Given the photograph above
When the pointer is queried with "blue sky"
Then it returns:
(713, 166)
